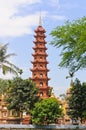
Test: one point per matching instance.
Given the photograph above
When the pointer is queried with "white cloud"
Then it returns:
(11, 24)
(19, 25)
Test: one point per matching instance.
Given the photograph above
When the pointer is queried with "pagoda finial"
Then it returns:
(40, 21)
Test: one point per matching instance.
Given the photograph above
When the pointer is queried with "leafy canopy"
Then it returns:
(77, 101)
(3, 86)
(46, 111)
(21, 95)
(71, 37)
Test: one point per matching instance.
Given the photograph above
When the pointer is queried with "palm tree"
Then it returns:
(5, 65)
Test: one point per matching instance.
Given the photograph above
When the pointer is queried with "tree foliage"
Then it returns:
(3, 85)
(5, 65)
(77, 101)
(71, 37)
(21, 95)
(46, 111)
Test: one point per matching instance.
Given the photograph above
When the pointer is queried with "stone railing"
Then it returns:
(36, 127)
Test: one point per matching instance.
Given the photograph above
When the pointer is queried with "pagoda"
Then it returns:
(40, 70)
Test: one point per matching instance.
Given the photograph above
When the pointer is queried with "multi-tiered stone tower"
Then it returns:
(40, 70)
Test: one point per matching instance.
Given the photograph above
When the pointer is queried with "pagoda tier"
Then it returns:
(39, 69)
(42, 62)
(36, 41)
(39, 35)
(40, 78)
(39, 41)
(40, 53)
(40, 29)
(41, 47)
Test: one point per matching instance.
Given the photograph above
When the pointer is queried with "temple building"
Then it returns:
(39, 69)
(8, 116)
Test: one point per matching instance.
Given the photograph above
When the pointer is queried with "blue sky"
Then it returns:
(19, 18)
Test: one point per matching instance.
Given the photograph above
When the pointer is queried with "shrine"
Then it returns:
(40, 70)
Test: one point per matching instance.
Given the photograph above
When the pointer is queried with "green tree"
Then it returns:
(21, 95)
(71, 38)
(3, 85)
(46, 111)
(77, 101)
(5, 65)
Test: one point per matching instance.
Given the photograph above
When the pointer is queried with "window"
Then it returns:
(5, 108)
(41, 94)
(14, 113)
(41, 33)
(4, 114)
(34, 65)
(41, 66)
(40, 58)
(34, 75)
(41, 75)
(41, 84)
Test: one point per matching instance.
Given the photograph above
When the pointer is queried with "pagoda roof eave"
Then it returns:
(44, 62)
(44, 88)
(36, 48)
(39, 69)
(38, 41)
(44, 36)
(40, 54)
(40, 78)
(40, 29)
